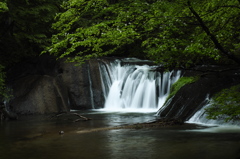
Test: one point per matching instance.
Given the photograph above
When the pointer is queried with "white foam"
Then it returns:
(134, 88)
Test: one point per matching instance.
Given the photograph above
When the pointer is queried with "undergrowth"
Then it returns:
(225, 104)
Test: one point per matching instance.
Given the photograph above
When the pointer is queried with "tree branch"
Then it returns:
(73, 114)
(212, 37)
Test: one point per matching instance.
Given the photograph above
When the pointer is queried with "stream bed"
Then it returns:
(37, 137)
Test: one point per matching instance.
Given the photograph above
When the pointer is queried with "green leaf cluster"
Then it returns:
(225, 105)
(3, 7)
(89, 29)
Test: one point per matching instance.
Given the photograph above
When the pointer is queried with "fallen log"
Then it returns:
(80, 117)
(153, 124)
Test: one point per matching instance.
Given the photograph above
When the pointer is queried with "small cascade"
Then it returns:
(135, 88)
(90, 87)
(200, 117)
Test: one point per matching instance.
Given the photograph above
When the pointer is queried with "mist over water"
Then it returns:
(135, 88)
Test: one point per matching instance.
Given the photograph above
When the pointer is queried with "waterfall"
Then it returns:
(136, 88)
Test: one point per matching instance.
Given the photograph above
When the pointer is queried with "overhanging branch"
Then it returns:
(212, 37)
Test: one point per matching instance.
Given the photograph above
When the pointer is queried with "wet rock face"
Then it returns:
(37, 94)
(96, 84)
(192, 97)
(44, 85)
(77, 81)
(84, 84)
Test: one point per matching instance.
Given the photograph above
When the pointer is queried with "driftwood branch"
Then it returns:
(80, 117)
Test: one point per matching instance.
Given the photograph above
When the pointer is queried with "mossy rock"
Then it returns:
(180, 83)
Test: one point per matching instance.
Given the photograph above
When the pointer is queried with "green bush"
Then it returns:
(225, 105)
(5, 93)
(2, 82)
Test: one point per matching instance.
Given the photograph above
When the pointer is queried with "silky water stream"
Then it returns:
(37, 137)
(135, 88)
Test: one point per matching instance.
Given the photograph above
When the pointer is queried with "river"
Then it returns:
(37, 137)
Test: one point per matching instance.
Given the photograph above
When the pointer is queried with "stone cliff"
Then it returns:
(45, 85)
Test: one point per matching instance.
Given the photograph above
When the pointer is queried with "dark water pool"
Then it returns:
(38, 138)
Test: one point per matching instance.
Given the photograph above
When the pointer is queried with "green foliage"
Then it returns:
(225, 105)
(3, 7)
(32, 19)
(180, 83)
(2, 81)
(89, 29)
(183, 42)
(164, 31)
(25, 28)
(4, 92)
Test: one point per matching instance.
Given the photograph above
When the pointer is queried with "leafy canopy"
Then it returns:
(174, 33)
(25, 28)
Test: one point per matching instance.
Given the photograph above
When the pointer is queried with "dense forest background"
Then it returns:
(173, 33)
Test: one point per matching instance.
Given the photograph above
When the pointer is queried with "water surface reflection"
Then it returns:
(38, 138)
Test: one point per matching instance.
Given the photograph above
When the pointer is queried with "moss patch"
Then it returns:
(225, 104)
(180, 83)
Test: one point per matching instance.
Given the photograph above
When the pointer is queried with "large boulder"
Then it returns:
(39, 94)
(45, 85)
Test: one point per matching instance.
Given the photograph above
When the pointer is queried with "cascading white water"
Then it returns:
(200, 117)
(213, 126)
(135, 88)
